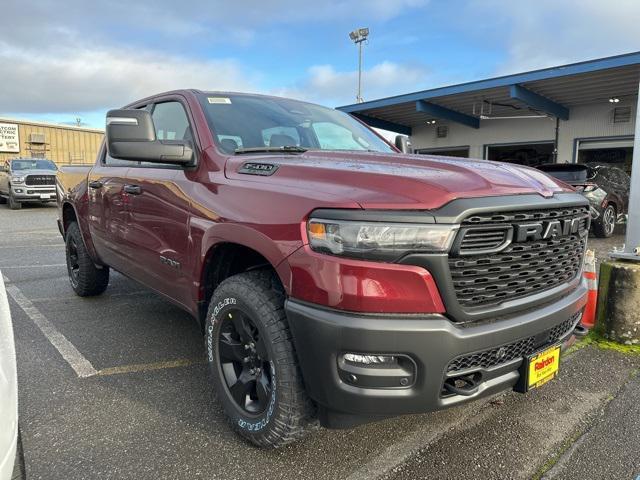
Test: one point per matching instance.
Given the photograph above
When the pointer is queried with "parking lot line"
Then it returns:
(20, 267)
(69, 353)
(146, 367)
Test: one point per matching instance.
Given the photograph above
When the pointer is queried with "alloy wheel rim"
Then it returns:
(609, 220)
(245, 362)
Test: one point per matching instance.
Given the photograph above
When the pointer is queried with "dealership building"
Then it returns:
(579, 113)
(64, 144)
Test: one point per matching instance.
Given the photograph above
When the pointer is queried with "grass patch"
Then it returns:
(599, 341)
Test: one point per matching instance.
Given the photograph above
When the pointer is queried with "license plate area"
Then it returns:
(539, 368)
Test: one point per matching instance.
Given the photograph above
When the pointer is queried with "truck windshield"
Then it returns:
(29, 164)
(243, 122)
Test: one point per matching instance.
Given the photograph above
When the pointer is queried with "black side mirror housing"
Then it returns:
(403, 144)
(131, 135)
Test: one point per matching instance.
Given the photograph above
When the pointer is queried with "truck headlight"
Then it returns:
(17, 179)
(377, 240)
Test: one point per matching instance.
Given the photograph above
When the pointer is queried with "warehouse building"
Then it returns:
(578, 113)
(64, 144)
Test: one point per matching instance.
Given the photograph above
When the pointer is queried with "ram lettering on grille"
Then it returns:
(505, 256)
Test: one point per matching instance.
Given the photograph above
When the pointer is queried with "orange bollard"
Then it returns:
(589, 273)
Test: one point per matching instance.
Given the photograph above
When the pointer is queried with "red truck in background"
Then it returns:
(335, 277)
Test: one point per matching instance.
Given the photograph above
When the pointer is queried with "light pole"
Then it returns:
(359, 36)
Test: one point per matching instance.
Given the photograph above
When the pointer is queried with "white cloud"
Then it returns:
(326, 85)
(544, 33)
(73, 80)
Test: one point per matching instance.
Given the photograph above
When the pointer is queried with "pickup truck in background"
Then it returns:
(27, 180)
(335, 277)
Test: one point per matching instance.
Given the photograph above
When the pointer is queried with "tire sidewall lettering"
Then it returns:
(214, 320)
(244, 423)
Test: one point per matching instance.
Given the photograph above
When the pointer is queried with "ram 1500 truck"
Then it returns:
(335, 277)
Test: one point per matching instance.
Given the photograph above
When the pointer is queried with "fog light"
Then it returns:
(369, 359)
(370, 370)
(18, 190)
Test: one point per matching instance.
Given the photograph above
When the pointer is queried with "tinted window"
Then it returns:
(115, 162)
(171, 122)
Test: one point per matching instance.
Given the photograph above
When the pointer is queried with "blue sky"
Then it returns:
(80, 60)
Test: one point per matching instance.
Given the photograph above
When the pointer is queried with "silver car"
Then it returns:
(8, 390)
(27, 180)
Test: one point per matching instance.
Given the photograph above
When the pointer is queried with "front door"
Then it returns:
(159, 210)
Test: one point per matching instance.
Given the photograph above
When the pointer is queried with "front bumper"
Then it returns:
(322, 335)
(28, 193)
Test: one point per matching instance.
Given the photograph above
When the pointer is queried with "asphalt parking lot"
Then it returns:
(115, 387)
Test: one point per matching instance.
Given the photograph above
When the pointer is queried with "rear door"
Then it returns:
(108, 215)
(159, 210)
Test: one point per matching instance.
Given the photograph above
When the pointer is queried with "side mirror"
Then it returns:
(403, 144)
(131, 135)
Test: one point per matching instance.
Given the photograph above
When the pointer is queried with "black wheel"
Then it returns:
(3, 200)
(606, 224)
(252, 361)
(13, 203)
(86, 279)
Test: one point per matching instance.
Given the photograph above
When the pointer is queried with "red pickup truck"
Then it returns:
(335, 277)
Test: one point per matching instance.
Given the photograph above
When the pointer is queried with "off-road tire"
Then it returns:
(258, 296)
(600, 227)
(86, 278)
(13, 203)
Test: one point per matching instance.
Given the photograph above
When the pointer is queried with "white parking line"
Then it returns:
(7, 267)
(71, 355)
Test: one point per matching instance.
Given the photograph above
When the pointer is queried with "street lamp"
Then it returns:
(359, 36)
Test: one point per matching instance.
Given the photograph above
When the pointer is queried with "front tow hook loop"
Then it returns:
(465, 385)
(580, 331)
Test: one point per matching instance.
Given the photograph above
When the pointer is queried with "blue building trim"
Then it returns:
(505, 81)
(447, 114)
(538, 102)
(384, 124)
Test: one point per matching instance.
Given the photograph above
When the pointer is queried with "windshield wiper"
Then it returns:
(283, 149)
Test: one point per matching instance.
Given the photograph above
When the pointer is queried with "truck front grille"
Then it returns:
(521, 348)
(37, 180)
(484, 279)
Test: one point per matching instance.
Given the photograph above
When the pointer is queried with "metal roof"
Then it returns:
(550, 91)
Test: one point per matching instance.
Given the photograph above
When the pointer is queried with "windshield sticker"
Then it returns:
(219, 100)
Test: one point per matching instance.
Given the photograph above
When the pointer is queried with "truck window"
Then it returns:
(171, 121)
(281, 132)
(335, 137)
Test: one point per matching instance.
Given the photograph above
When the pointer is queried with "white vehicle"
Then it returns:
(8, 390)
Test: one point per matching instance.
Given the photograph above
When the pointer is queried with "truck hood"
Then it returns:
(376, 180)
(24, 173)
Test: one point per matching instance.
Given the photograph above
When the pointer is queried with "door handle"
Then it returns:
(95, 184)
(133, 189)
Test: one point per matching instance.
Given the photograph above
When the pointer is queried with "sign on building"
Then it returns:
(9, 140)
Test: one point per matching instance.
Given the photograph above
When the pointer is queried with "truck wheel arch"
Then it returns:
(69, 215)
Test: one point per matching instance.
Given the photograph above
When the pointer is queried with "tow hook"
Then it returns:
(580, 331)
(463, 385)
